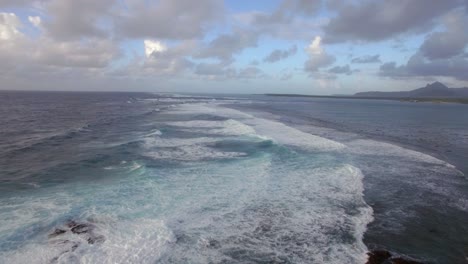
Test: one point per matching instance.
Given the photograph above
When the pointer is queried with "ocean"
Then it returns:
(178, 178)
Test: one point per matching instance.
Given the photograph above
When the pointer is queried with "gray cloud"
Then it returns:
(456, 67)
(162, 60)
(290, 20)
(83, 38)
(287, 10)
(44, 52)
(15, 3)
(166, 65)
(448, 43)
(225, 46)
(91, 54)
(367, 59)
(71, 19)
(168, 19)
(341, 70)
(379, 20)
(278, 55)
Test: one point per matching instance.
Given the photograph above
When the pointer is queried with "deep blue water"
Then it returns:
(160, 178)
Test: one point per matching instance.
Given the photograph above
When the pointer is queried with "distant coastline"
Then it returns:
(403, 99)
(435, 92)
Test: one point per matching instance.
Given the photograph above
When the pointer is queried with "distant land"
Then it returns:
(434, 92)
(431, 90)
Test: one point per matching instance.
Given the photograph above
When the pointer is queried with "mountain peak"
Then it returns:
(436, 85)
(435, 89)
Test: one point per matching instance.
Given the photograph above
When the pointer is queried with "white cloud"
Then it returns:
(19, 52)
(314, 48)
(318, 57)
(199, 40)
(152, 46)
(35, 20)
(9, 24)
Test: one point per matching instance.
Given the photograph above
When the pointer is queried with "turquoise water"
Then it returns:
(177, 179)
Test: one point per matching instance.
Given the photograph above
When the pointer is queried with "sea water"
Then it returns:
(160, 178)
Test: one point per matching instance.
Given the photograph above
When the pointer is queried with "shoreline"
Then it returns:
(401, 99)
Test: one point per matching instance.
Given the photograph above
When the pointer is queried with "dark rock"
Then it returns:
(96, 240)
(385, 257)
(74, 246)
(57, 232)
(378, 256)
(81, 228)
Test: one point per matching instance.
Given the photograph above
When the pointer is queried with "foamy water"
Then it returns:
(207, 184)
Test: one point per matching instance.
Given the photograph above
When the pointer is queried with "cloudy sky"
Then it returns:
(232, 46)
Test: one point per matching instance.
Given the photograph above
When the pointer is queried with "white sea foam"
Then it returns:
(277, 131)
(191, 153)
(376, 148)
(154, 132)
(140, 241)
(124, 166)
(158, 142)
(228, 127)
(294, 213)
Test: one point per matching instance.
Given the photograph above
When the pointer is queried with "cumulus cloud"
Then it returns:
(278, 54)
(315, 47)
(448, 43)
(18, 50)
(9, 24)
(168, 19)
(72, 20)
(15, 3)
(441, 55)
(152, 46)
(287, 10)
(166, 60)
(418, 65)
(367, 59)
(318, 57)
(379, 20)
(225, 46)
(35, 21)
(88, 54)
(166, 39)
(290, 19)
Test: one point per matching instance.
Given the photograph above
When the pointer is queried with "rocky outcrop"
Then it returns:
(84, 229)
(385, 257)
(73, 234)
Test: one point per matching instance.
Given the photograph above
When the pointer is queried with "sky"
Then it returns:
(317, 47)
